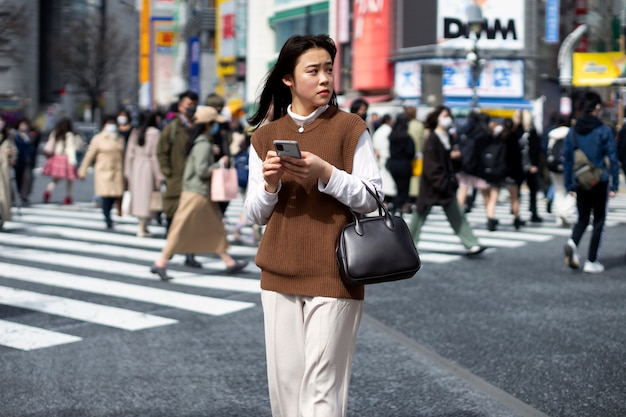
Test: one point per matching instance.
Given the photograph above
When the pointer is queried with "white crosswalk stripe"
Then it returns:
(54, 239)
(54, 248)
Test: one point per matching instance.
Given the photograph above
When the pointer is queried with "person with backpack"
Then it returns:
(438, 184)
(596, 141)
(563, 204)
(501, 166)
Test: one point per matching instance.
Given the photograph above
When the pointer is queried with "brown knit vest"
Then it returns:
(297, 252)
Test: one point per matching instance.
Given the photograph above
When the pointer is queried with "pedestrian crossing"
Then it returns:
(49, 250)
(67, 248)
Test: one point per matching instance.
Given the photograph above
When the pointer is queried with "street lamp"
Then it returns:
(475, 24)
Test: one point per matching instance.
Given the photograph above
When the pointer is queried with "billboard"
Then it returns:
(504, 27)
(500, 78)
(371, 68)
(598, 69)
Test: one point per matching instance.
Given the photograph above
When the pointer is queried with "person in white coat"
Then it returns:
(380, 141)
(563, 204)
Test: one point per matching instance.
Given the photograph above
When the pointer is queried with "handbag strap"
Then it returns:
(382, 212)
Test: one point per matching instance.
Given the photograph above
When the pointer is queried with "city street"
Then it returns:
(86, 330)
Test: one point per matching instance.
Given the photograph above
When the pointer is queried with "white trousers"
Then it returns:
(309, 344)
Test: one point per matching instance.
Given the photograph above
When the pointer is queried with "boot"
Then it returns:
(492, 225)
(518, 223)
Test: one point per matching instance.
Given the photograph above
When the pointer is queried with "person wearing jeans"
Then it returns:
(596, 140)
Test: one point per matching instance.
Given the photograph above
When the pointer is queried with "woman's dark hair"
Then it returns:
(5, 129)
(357, 103)
(589, 101)
(275, 92)
(196, 130)
(109, 118)
(190, 94)
(400, 128)
(507, 128)
(431, 121)
(148, 119)
(63, 126)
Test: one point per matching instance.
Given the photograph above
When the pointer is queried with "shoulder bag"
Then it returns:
(376, 249)
(586, 173)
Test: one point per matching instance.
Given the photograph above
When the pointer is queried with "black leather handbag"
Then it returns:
(376, 249)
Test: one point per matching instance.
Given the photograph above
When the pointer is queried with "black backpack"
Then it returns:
(493, 161)
(554, 157)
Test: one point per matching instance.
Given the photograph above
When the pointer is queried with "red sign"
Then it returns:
(371, 68)
(228, 31)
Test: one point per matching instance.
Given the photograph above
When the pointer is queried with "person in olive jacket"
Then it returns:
(171, 155)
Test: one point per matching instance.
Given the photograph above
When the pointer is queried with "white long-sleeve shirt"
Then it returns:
(347, 188)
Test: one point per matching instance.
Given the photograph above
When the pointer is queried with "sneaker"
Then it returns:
(593, 267)
(571, 255)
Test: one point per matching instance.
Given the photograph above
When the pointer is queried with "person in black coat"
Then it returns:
(401, 155)
(438, 183)
(531, 156)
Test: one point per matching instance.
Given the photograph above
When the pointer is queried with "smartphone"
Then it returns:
(287, 148)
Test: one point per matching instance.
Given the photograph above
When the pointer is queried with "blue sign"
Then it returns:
(194, 65)
(552, 21)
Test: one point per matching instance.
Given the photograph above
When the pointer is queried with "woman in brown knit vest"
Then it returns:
(311, 317)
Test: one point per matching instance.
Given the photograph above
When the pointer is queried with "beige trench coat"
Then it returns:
(8, 156)
(106, 153)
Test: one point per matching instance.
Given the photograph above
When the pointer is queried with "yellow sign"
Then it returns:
(598, 69)
(165, 39)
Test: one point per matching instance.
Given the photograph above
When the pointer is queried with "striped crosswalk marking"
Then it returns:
(20, 336)
(183, 301)
(81, 310)
(50, 238)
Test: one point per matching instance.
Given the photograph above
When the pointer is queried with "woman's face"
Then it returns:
(312, 81)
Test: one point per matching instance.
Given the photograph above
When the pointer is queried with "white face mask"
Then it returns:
(111, 128)
(445, 122)
(122, 120)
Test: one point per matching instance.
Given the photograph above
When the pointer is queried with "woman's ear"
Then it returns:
(288, 80)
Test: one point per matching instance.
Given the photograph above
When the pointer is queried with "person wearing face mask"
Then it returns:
(106, 153)
(198, 226)
(438, 184)
(123, 124)
(170, 152)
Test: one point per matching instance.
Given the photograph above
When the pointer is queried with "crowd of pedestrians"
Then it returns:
(458, 161)
(486, 156)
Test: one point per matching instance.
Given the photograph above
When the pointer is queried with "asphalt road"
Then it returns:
(510, 333)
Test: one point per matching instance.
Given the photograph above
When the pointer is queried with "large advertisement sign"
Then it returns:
(228, 29)
(163, 60)
(371, 69)
(598, 69)
(500, 78)
(504, 27)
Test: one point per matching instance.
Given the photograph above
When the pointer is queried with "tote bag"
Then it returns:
(224, 184)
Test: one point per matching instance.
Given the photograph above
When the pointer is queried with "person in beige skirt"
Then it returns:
(197, 226)
(8, 157)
